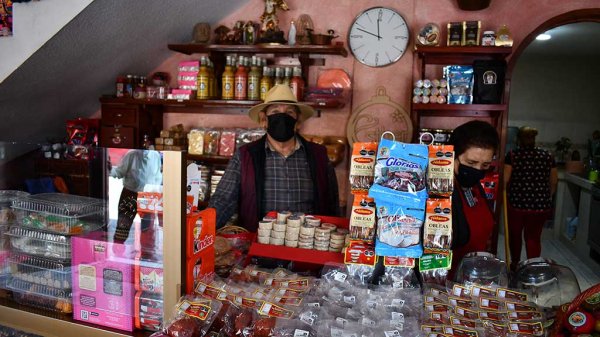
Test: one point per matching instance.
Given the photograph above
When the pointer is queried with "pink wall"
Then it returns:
(522, 17)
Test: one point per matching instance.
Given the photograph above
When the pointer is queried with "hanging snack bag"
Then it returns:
(362, 219)
(437, 232)
(460, 84)
(399, 228)
(400, 172)
(399, 272)
(434, 266)
(440, 172)
(362, 166)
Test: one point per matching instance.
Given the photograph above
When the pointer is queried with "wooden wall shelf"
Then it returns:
(220, 160)
(259, 49)
(460, 55)
(459, 107)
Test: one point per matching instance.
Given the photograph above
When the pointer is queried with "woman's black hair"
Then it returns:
(474, 134)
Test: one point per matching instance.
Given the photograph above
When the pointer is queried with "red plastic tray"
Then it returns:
(299, 254)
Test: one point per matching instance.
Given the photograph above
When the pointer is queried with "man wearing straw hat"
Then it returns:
(279, 172)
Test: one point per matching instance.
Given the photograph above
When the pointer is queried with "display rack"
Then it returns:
(449, 116)
(298, 254)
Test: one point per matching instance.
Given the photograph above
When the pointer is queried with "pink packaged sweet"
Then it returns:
(227, 143)
(189, 66)
(103, 291)
(149, 276)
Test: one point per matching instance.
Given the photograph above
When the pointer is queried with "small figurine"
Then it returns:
(250, 32)
(269, 17)
(270, 32)
(238, 33)
(221, 34)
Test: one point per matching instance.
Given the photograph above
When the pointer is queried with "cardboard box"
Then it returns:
(103, 281)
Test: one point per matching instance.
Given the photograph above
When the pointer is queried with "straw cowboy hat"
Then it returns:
(281, 94)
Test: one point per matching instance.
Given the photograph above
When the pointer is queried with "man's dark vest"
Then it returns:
(252, 159)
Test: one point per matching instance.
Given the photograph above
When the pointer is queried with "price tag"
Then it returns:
(300, 333)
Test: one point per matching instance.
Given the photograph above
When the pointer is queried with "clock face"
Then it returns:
(378, 37)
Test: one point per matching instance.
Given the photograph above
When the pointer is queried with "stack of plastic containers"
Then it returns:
(7, 218)
(40, 246)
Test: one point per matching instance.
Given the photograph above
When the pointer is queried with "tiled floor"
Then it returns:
(587, 275)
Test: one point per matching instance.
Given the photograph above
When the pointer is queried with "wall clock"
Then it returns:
(378, 37)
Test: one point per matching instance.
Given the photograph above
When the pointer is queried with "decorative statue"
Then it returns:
(269, 17)
(201, 32)
(270, 23)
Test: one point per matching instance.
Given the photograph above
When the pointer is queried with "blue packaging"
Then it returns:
(400, 172)
(399, 228)
(460, 84)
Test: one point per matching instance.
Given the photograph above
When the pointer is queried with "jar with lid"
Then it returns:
(120, 92)
(140, 89)
(489, 38)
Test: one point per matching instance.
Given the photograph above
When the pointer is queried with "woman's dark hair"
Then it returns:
(474, 134)
(526, 137)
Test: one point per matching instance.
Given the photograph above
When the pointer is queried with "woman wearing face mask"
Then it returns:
(475, 144)
(279, 172)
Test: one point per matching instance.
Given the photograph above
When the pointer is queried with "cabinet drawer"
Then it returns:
(117, 137)
(119, 115)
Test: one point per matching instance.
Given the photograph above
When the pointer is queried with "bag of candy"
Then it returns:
(400, 171)
(399, 228)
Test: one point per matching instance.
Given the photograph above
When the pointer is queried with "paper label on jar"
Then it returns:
(87, 277)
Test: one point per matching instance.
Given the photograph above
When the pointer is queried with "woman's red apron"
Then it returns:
(481, 223)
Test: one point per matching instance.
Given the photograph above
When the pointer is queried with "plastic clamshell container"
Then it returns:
(32, 242)
(7, 214)
(60, 213)
(40, 271)
(44, 297)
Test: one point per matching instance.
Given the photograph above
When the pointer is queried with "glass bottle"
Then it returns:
(254, 80)
(265, 82)
(278, 76)
(241, 80)
(297, 84)
(287, 76)
(227, 79)
(140, 89)
(203, 84)
(121, 83)
(129, 86)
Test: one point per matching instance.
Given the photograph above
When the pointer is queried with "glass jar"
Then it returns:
(489, 38)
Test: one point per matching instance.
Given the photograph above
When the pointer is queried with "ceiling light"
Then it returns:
(543, 37)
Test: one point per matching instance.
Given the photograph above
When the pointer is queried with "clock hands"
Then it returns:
(377, 36)
(378, 19)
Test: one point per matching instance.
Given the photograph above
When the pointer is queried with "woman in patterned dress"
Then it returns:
(530, 177)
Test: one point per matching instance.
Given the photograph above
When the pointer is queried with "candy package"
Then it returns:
(437, 232)
(211, 141)
(196, 141)
(362, 218)
(227, 143)
(193, 316)
(400, 172)
(440, 172)
(362, 166)
(398, 272)
(399, 228)
(460, 84)
(434, 266)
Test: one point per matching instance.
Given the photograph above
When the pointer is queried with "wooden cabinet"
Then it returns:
(448, 116)
(83, 177)
(125, 122)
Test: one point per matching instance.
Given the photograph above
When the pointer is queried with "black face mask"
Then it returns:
(469, 176)
(281, 127)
